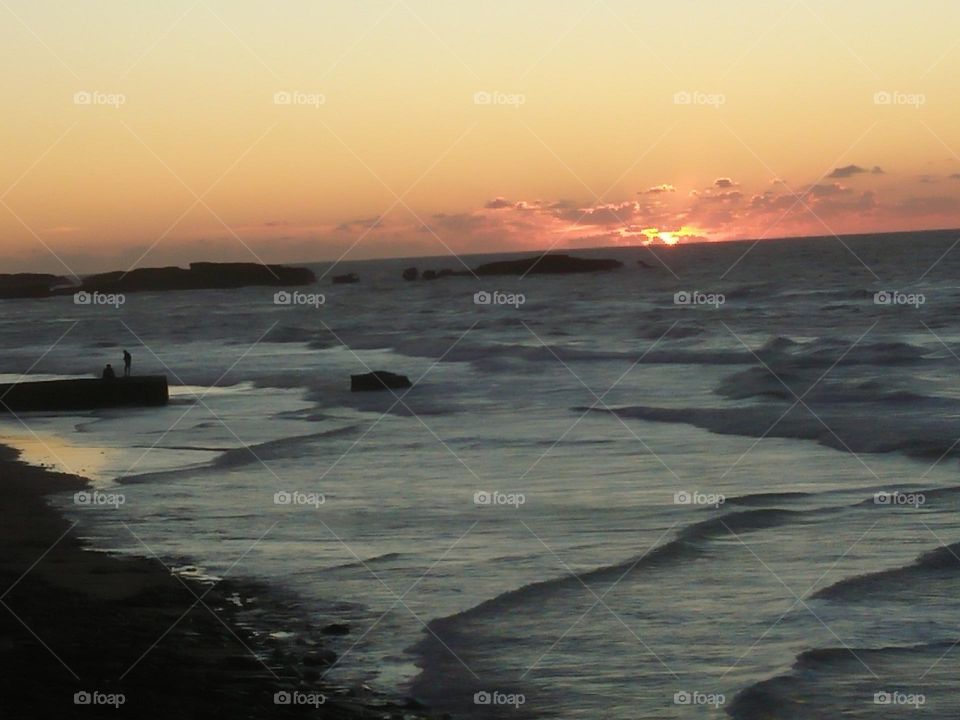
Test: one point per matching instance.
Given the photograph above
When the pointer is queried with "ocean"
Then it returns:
(722, 481)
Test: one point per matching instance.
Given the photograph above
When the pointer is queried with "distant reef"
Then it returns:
(199, 276)
(27, 285)
(549, 264)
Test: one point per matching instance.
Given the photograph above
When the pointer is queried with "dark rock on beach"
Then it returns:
(378, 380)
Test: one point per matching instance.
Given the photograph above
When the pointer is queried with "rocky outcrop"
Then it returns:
(29, 285)
(346, 279)
(410, 273)
(84, 394)
(378, 380)
(548, 265)
(199, 276)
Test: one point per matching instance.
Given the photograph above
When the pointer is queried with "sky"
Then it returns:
(145, 134)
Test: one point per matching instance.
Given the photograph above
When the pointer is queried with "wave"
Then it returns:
(789, 384)
(844, 429)
(762, 499)
(275, 449)
(689, 543)
(465, 636)
(238, 457)
(940, 563)
(834, 681)
(291, 334)
(364, 564)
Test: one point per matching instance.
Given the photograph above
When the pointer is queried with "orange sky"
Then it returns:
(185, 130)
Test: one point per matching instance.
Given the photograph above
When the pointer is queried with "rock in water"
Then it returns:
(410, 274)
(336, 629)
(200, 276)
(548, 265)
(378, 380)
(346, 279)
(29, 285)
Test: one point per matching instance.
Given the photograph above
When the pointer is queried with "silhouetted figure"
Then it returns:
(108, 373)
(127, 359)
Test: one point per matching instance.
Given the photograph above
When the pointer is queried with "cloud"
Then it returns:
(820, 191)
(722, 197)
(847, 171)
(362, 225)
(838, 205)
(851, 170)
(456, 222)
(724, 210)
(923, 206)
(658, 189)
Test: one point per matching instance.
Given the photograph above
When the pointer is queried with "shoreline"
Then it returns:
(133, 635)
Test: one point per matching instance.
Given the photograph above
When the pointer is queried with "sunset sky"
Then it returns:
(157, 133)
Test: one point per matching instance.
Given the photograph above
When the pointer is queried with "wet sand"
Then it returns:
(77, 621)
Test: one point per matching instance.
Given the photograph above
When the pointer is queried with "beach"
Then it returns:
(81, 627)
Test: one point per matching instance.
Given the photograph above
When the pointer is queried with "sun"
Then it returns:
(670, 237)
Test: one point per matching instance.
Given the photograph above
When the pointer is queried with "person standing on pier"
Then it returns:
(127, 360)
